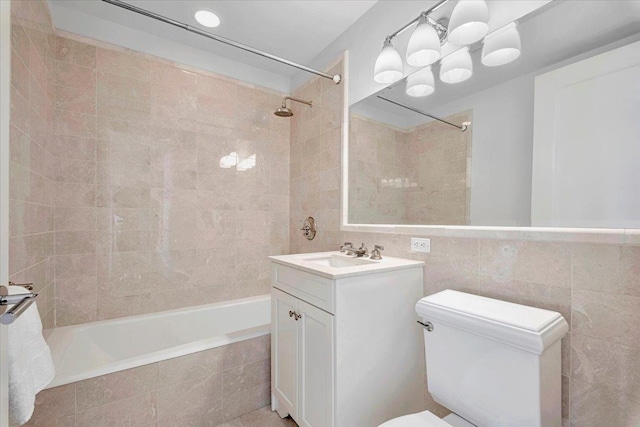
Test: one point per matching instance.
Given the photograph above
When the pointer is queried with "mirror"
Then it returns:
(551, 138)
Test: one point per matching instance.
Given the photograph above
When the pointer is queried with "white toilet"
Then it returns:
(493, 363)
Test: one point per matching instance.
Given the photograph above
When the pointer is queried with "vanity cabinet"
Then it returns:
(304, 365)
(345, 347)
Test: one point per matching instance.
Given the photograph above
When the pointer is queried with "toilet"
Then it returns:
(492, 363)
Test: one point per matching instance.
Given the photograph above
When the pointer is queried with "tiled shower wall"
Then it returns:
(31, 210)
(595, 286)
(377, 159)
(418, 176)
(146, 219)
(316, 133)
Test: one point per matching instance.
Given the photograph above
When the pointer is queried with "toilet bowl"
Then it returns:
(427, 419)
(491, 362)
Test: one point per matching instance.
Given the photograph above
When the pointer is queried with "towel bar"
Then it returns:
(20, 304)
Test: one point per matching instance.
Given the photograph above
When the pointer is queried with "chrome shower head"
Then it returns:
(283, 111)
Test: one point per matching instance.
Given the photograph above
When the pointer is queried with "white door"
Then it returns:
(316, 367)
(586, 144)
(5, 86)
(284, 352)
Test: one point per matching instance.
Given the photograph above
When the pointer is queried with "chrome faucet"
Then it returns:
(375, 253)
(361, 251)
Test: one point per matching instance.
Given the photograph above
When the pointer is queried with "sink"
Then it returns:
(336, 265)
(336, 261)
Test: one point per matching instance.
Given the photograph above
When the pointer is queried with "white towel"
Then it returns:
(30, 364)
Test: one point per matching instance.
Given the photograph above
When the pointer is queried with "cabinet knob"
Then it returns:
(291, 313)
(298, 316)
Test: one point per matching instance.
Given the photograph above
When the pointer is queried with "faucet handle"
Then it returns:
(375, 253)
(346, 246)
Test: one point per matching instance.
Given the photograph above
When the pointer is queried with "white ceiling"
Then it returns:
(294, 30)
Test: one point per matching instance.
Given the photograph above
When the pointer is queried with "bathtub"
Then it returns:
(93, 349)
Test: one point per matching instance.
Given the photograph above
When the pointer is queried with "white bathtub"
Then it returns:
(93, 349)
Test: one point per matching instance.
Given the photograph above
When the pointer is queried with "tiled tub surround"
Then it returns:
(417, 176)
(595, 286)
(31, 204)
(146, 220)
(206, 388)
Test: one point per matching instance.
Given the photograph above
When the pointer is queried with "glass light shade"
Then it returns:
(424, 45)
(388, 68)
(421, 83)
(469, 22)
(502, 46)
(456, 67)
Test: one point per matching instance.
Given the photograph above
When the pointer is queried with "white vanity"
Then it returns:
(345, 346)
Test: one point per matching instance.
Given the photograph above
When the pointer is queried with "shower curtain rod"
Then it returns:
(337, 78)
(462, 127)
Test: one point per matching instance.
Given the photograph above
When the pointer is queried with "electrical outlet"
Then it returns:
(420, 245)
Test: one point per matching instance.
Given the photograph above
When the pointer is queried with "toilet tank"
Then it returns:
(494, 363)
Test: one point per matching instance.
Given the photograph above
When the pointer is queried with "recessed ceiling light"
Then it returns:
(207, 18)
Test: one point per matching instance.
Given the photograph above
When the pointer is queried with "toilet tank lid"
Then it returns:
(529, 328)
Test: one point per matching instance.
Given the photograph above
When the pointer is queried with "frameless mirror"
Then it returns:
(549, 140)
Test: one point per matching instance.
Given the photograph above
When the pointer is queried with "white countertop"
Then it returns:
(306, 263)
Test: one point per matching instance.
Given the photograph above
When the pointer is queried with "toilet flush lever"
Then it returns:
(428, 326)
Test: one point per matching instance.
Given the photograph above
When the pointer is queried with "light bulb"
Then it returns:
(388, 68)
(469, 22)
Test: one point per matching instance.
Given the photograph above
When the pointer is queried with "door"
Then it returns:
(586, 122)
(316, 371)
(5, 85)
(284, 352)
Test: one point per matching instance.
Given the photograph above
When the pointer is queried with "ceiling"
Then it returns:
(294, 30)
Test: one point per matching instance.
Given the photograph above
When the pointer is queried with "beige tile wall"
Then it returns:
(315, 162)
(145, 218)
(438, 159)
(595, 286)
(201, 389)
(377, 158)
(417, 176)
(31, 211)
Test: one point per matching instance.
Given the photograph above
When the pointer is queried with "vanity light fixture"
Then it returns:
(468, 25)
(207, 18)
(388, 68)
(421, 83)
(456, 67)
(469, 22)
(501, 46)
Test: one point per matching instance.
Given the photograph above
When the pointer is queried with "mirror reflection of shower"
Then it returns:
(283, 111)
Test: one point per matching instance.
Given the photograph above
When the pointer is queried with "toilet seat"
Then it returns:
(427, 419)
(421, 419)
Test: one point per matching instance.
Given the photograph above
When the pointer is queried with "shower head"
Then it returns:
(283, 111)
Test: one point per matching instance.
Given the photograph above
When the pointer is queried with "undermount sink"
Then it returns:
(338, 261)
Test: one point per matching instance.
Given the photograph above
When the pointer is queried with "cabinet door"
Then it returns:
(284, 352)
(316, 369)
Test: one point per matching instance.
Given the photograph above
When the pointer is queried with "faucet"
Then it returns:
(361, 251)
(375, 253)
(347, 247)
